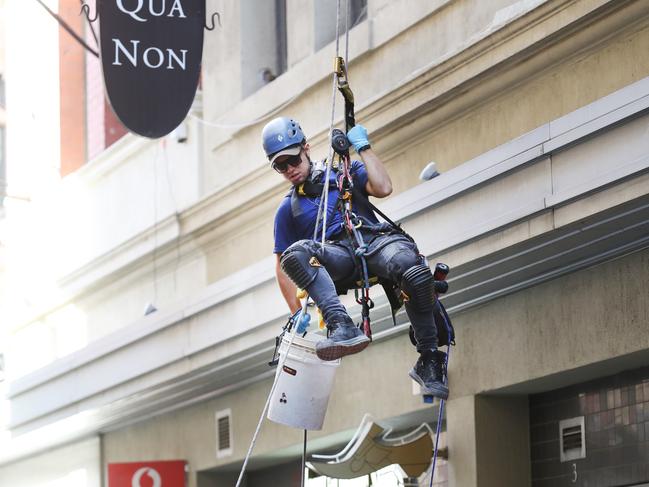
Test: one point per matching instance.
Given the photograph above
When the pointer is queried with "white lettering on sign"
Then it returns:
(120, 47)
(176, 9)
(152, 57)
(147, 58)
(172, 56)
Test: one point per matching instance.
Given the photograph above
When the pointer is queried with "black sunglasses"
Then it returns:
(293, 161)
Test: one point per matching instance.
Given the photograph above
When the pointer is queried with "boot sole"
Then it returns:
(339, 350)
(427, 391)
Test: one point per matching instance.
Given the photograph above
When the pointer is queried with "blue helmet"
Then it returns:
(281, 133)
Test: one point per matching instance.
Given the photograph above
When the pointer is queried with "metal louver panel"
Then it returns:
(572, 439)
(224, 433)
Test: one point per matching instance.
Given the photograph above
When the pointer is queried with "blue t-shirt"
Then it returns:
(289, 228)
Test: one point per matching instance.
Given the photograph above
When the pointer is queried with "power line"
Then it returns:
(69, 30)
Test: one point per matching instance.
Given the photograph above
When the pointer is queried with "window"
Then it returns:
(325, 19)
(263, 43)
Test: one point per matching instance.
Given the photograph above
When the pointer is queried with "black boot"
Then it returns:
(430, 373)
(344, 339)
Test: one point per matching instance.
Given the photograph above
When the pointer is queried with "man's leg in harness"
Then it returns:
(429, 371)
(307, 264)
(398, 260)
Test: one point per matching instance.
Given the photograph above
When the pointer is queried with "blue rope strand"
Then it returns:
(441, 403)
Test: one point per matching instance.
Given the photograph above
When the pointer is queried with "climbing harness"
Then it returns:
(351, 222)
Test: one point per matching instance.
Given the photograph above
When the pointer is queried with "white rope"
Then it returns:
(280, 366)
(325, 190)
(347, 12)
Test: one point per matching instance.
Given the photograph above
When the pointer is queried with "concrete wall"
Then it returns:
(586, 325)
(567, 325)
(75, 465)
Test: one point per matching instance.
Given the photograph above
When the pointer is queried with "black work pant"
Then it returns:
(388, 256)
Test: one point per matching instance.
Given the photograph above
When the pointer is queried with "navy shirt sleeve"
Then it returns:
(359, 175)
(284, 229)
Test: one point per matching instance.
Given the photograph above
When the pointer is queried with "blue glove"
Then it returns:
(357, 136)
(304, 322)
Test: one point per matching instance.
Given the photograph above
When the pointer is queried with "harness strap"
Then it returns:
(345, 90)
(358, 194)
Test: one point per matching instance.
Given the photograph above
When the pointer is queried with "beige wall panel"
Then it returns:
(241, 246)
(574, 168)
(583, 318)
(451, 225)
(221, 60)
(76, 465)
(502, 441)
(557, 92)
(299, 30)
(547, 96)
(488, 441)
(461, 438)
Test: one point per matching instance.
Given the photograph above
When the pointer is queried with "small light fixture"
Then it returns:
(149, 308)
(180, 133)
(429, 172)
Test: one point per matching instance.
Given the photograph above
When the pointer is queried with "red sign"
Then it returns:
(147, 474)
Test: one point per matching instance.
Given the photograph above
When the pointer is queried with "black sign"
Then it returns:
(151, 56)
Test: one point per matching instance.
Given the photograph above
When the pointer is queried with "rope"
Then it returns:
(439, 427)
(303, 460)
(347, 14)
(325, 190)
(68, 29)
(441, 408)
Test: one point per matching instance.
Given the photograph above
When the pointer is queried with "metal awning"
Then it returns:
(372, 449)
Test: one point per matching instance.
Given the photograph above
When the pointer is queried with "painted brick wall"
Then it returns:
(94, 93)
(102, 127)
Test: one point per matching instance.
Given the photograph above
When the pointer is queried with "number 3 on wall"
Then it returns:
(574, 473)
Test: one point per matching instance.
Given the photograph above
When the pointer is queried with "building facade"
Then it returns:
(535, 112)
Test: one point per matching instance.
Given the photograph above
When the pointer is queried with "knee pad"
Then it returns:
(418, 284)
(397, 255)
(298, 263)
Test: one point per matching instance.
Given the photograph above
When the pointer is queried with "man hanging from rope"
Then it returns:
(326, 270)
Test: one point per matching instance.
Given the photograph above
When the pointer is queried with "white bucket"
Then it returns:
(303, 385)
